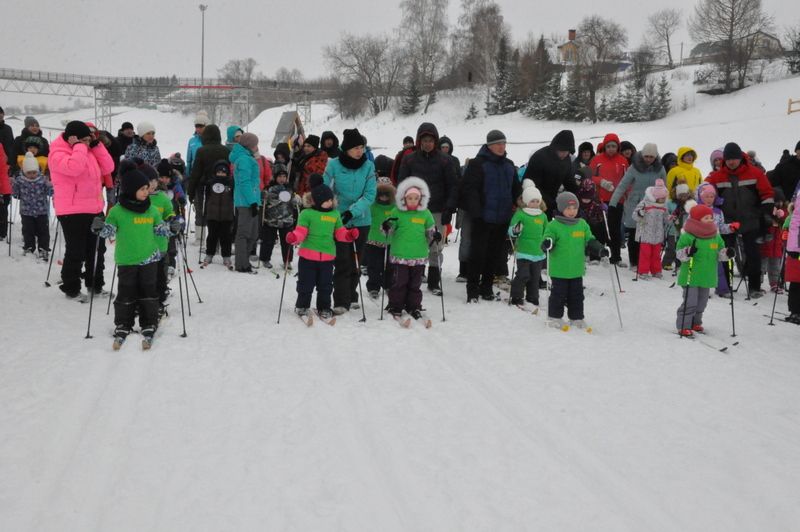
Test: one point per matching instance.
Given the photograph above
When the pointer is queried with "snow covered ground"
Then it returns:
(489, 421)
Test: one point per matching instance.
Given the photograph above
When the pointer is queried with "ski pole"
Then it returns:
(614, 290)
(358, 271)
(52, 254)
(781, 283)
(686, 295)
(10, 222)
(111, 292)
(743, 267)
(513, 265)
(91, 296)
(188, 269)
(616, 271)
(283, 285)
(183, 316)
(730, 283)
(383, 277)
(441, 284)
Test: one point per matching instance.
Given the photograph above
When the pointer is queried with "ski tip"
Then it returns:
(565, 328)
(589, 330)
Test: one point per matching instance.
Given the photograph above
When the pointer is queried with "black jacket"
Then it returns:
(123, 141)
(787, 176)
(113, 150)
(490, 187)
(207, 155)
(435, 168)
(19, 145)
(549, 173)
(334, 151)
(7, 140)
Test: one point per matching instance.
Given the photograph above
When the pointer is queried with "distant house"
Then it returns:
(765, 46)
(568, 52)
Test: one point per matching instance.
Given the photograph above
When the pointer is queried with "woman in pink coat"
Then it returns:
(77, 164)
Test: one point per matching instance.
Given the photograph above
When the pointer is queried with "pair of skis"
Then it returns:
(308, 319)
(405, 323)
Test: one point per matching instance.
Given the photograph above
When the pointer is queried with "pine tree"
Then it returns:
(649, 108)
(572, 106)
(549, 105)
(472, 113)
(663, 97)
(602, 109)
(502, 99)
(412, 97)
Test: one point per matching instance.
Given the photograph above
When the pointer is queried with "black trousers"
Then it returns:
(377, 277)
(36, 229)
(136, 285)
(633, 247)
(314, 274)
(752, 258)
(79, 246)
(346, 272)
(526, 281)
(488, 243)
(161, 278)
(268, 236)
(599, 232)
(4, 213)
(615, 228)
(566, 292)
(794, 298)
(219, 233)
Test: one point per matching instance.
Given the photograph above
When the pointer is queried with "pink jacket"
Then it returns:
(793, 243)
(77, 175)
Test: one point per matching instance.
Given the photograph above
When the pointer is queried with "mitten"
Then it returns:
(734, 226)
(436, 236)
(447, 216)
(291, 238)
(98, 223)
(517, 229)
(607, 185)
(548, 244)
(346, 217)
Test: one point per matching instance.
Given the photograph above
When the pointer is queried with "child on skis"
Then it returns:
(280, 206)
(791, 236)
(699, 248)
(566, 240)
(527, 226)
(412, 229)
(218, 213)
(377, 241)
(33, 190)
(318, 227)
(772, 248)
(592, 210)
(135, 223)
(651, 217)
(163, 205)
(707, 195)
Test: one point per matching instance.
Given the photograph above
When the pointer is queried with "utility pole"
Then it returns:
(203, 8)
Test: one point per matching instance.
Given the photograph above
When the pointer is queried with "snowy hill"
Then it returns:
(489, 421)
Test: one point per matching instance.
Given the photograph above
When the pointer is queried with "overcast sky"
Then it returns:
(162, 37)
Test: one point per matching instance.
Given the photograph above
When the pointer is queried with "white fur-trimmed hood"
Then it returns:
(408, 183)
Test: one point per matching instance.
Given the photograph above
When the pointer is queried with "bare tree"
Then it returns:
(238, 71)
(284, 75)
(424, 31)
(732, 27)
(792, 38)
(663, 24)
(600, 42)
(371, 63)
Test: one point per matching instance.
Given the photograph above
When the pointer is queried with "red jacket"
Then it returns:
(265, 171)
(608, 168)
(396, 166)
(746, 193)
(5, 182)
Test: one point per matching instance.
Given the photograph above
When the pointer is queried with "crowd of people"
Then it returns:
(348, 214)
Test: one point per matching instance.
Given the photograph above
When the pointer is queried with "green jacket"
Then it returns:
(529, 241)
(136, 235)
(703, 265)
(410, 239)
(321, 227)
(567, 258)
(379, 213)
(163, 205)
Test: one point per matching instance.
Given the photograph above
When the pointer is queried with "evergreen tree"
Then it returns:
(503, 98)
(664, 98)
(473, 112)
(412, 97)
(649, 108)
(548, 107)
(572, 106)
(602, 110)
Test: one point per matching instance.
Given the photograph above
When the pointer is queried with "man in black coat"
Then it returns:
(435, 168)
(31, 129)
(6, 138)
(550, 168)
(330, 144)
(787, 174)
(489, 191)
(125, 136)
(206, 157)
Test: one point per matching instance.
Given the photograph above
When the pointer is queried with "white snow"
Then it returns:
(488, 421)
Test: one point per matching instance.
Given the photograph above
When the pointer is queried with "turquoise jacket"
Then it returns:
(191, 150)
(246, 177)
(230, 133)
(354, 190)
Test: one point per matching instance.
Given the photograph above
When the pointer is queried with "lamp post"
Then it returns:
(203, 8)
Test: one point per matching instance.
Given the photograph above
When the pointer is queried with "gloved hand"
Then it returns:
(607, 185)
(734, 226)
(386, 226)
(94, 143)
(605, 252)
(517, 229)
(604, 206)
(176, 225)
(346, 217)
(436, 236)
(291, 238)
(548, 244)
(98, 224)
(691, 251)
(352, 234)
(785, 235)
(254, 209)
(729, 252)
(447, 216)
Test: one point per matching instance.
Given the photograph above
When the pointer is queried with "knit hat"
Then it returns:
(699, 211)
(566, 199)
(408, 139)
(149, 172)
(495, 137)
(732, 151)
(132, 180)
(320, 194)
(164, 168)
(31, 121)
(716, 154)
(279, 168)
(34, 140)
(222, 166)
(564, 141)
(76, 128)
(586, 146)
(650, 149)
(249, 141)
(659, 190)
(797, 146)
(351, 138)
(587, 190)
(201, 118)
(530, 193)
(126, 125)
(626, 145)
(312, 140)
(144, 128)
(682, 188)
(30, 164)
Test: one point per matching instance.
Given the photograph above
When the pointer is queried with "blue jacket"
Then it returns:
(229, 134)
(194, 144)
(490, 187)
(354, 190)
(247, 178)
(33, 194)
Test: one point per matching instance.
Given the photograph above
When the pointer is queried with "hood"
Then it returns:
(426, 128)
(610, 137)
(403, 187)
(211, 135)
(683, 150)
(703, 186)
(25, 133)
(564, 141)
(230, 132)
(716, 154)
(329, 135)
(283, 148)
(383, 165)
(586, 146)
(386, 189)
(637, 161)
(446, 140)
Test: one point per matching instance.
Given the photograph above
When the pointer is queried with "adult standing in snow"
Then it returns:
(201, 120)
(550, 168)
(312, 160)
(6, 136)
(351, 176)
(436, 169)
(125, 136)
(203, 173)
(246, 198)
(144, 145)
(5, 193)
(408, 147)
(747, 198)
(489, 190)
(645, 169)
(232, 136)
(330, 144)
(608, 167)
(31, 129)
(786, 174)
(77, 163)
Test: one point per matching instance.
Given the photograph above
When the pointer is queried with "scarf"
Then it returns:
(350, 163)
(565, 220)
(700, 229)
(532, 212)
(133, 204)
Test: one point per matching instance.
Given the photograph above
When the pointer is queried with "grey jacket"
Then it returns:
(635, 181)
